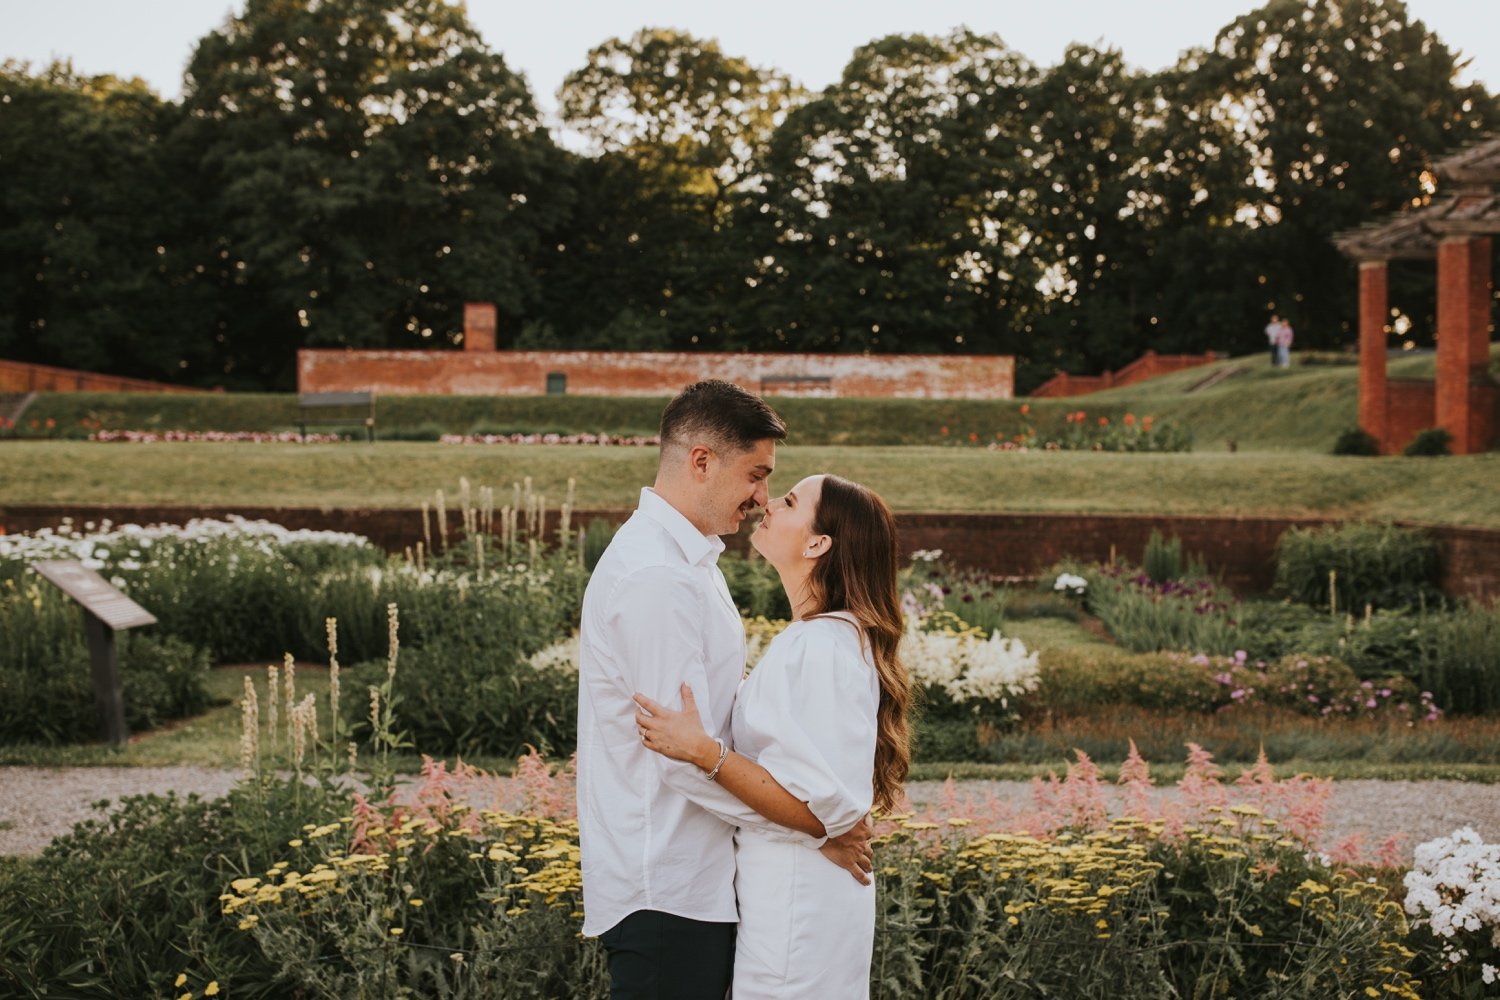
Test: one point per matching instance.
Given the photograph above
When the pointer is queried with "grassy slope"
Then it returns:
(912, 479)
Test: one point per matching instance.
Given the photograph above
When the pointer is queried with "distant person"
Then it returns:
(1284, 345)
(1273, 338)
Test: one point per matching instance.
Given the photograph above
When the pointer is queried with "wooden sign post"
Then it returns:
(105, 611)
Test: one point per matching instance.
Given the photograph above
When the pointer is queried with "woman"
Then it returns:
(822, 718)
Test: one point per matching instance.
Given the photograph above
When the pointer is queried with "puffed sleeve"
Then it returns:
(812, 712)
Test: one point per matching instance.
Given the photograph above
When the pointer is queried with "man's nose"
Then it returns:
(761, 496)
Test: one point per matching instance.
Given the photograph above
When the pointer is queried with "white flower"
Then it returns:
(561, 657)
(967, 667)
(1454, 886)
(1071, 582)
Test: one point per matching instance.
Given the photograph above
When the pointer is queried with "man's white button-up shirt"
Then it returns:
(656, 613)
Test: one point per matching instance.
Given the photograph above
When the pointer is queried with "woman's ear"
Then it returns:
(816, 546)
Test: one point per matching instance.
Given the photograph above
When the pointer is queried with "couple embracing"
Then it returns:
(724, 825)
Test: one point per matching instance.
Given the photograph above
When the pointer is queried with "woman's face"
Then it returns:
(785, 535)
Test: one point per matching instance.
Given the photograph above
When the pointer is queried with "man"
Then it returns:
(658, 866)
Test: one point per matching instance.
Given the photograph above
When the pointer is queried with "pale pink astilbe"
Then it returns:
(539, 791)
(1298, 803)
(1391, 853)
(1076, 803)
(1348, 851)
(1202, 783)
(1135, 778)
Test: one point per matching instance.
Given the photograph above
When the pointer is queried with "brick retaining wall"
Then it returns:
(618, 373)
(1014, 545)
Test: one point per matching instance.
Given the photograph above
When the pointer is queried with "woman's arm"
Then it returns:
(680, 736)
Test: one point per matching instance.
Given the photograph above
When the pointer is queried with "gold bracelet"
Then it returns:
(723, 754)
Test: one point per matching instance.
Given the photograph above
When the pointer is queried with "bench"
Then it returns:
(354, 405)
(796, 382)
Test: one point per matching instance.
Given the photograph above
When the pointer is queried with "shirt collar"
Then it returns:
(698, 548)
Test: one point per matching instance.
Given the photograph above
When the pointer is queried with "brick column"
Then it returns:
(479, 326)
(1464, 293)
(1374, 306)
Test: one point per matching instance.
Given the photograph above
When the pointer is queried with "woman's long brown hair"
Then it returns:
(858, 575)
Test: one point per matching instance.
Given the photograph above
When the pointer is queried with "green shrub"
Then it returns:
(1356, 441)
(1460, 658)
(1162, 560)
(403, 432)
(755, 586)
(596, 538)
(1431, 443)
(123, 904)
(46, 674)
(1376, 564)
(1040, 604)
(1078, 680)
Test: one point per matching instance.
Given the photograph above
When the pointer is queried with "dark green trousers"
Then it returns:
(661, 956)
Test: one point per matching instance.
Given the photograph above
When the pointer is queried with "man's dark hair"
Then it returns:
(722, 413)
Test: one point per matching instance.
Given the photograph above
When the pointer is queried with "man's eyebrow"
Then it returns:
(763, 467)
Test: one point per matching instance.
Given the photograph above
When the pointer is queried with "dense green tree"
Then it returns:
(895, 203)
(1086, 119)
(87, 202)
(675, 130)
(1335, 110)
(365, 167)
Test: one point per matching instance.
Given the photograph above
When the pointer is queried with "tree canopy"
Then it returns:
(350, 172)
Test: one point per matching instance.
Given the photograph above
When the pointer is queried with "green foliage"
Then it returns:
(125, 902)
(1344, 567)
(755, 586)
(46, 674)
(1460, 658)
(1431, 443)
(1356, 441)
(596, 538)
(1162, 560)
(1189, 615)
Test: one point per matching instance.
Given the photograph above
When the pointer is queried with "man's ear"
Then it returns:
(700, 459)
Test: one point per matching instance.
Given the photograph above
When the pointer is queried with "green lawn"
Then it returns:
(400, 474)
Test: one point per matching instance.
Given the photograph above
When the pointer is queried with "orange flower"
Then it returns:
(1130, 420)
(1103, 421)
(973, 438)
(1146, 423)
(1025, 409)
(51, 423)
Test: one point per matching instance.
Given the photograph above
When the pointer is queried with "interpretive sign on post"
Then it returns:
(105, 612)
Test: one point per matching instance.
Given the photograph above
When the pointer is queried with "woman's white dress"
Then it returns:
(807, 714)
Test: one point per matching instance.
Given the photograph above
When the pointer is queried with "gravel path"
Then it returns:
(37, 804)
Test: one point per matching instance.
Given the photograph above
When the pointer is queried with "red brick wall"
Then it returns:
(1148, 365)
(18, 377)
(1016, 545)
(410, 373)
(1410, 409)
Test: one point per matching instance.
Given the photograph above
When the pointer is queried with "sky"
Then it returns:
(154, 39)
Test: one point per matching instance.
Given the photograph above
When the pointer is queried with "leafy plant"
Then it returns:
(1431, 443)
(1344, 567)
(1356, 441)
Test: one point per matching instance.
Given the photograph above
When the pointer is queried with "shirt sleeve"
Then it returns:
(655, 623)
(812, 712)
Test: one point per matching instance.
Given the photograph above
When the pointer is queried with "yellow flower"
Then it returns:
(294, 842)
(416, 902)
(397, 931)
(212, 989)
(181, 978)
